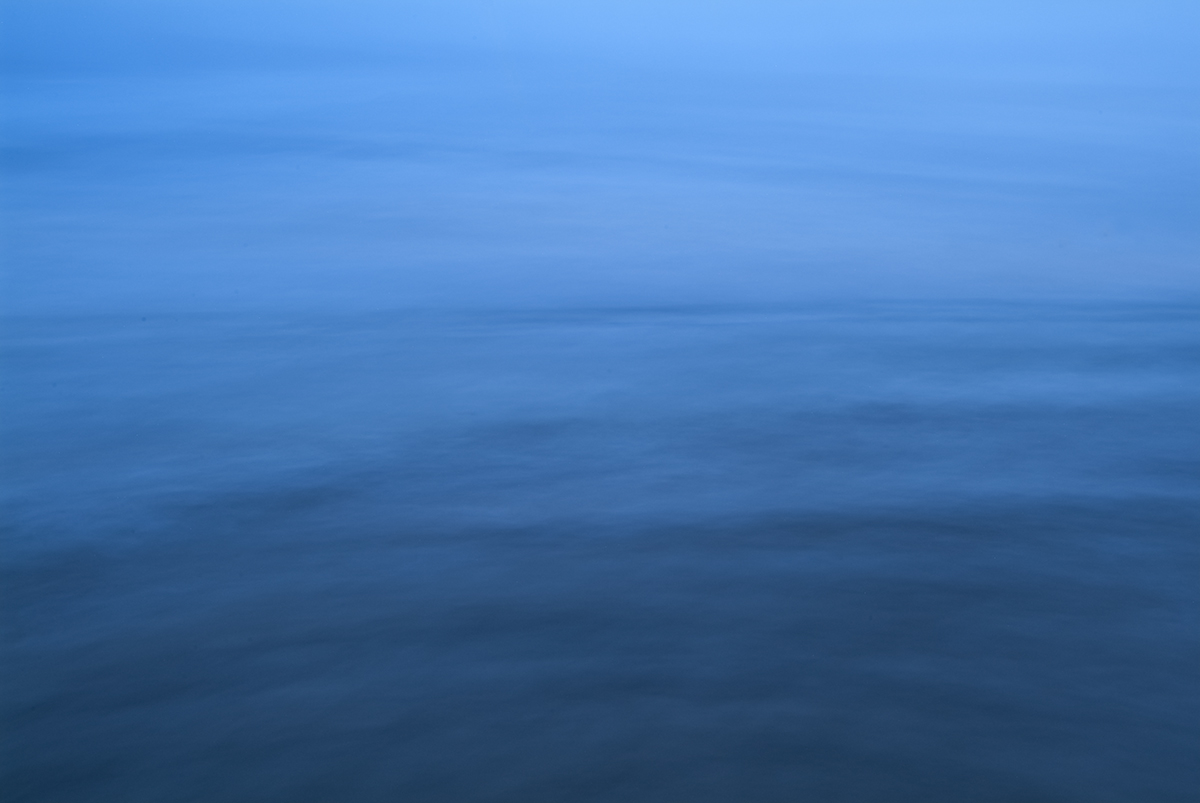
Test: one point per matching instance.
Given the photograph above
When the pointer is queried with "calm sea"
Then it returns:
(886, 552)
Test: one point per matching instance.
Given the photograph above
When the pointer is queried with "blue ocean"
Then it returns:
(917, 551)
(605, 401)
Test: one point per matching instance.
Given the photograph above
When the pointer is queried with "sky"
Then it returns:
(261, 154)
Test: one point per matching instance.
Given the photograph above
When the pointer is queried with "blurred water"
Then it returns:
(903, 552)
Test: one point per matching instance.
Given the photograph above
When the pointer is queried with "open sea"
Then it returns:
(927, 552)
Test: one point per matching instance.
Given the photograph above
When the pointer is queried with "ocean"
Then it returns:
(940, 551)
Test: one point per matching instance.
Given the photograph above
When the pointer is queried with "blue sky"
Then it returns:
(253, 155)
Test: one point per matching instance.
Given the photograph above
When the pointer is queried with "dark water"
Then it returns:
(884, 553)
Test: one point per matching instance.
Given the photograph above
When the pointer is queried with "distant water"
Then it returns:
(874, 553)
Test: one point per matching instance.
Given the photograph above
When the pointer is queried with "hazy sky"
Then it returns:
(313, 154)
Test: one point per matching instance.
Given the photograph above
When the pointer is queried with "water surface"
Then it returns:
(902, 552)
